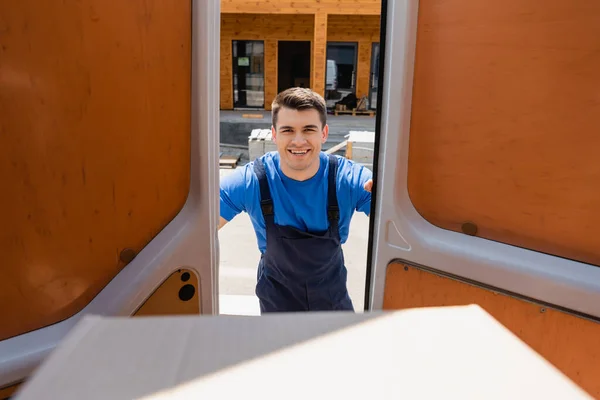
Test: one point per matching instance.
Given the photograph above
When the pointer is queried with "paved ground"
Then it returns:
(239, 258)
(338, 125)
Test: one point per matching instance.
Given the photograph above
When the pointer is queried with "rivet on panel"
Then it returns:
(542, 310)
(469, 228)
(127, 255)
(405, 268)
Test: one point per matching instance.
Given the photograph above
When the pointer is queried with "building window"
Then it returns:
(248, 74)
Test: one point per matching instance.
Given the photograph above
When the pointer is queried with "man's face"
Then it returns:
(299, 136)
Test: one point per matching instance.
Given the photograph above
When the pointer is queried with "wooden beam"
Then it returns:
(226, 98)
(319, 53)
(357, 7)
(337, 147)
(270, 72)
(363, 73)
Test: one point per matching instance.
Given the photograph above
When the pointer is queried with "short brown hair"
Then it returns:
(298, 98)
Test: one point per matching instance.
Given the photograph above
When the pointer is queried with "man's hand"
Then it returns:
(222, 222)
(369, 185)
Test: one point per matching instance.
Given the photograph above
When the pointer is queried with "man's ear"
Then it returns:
(325, 133)
(274, 133)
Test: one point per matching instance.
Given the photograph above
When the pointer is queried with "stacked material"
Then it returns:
(260, 142)
(361, 147)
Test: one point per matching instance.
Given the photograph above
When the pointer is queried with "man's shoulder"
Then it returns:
(343, 163)
(242, 177)
(246, 174)
(350, 169)
(268, 161)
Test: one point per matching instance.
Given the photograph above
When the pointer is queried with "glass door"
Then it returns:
(248, 74)
(340, 78)
(374, 76)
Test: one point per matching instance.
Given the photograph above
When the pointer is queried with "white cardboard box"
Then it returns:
(435, 353)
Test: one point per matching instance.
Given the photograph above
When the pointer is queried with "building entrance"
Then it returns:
(293, 65)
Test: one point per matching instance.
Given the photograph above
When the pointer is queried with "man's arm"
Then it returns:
(362, 186)
(232, 197)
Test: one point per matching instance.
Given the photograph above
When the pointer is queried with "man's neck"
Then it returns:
(300, 175)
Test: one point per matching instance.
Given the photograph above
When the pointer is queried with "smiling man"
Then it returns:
(300, 201)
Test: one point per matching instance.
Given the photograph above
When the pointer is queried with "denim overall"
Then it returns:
(301, 271)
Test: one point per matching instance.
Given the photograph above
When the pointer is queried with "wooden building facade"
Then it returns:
(331, 46)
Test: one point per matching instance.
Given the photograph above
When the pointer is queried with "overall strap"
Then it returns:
(266, 203)
(333, 211)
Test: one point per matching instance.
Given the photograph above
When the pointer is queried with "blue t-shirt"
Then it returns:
(301, 204)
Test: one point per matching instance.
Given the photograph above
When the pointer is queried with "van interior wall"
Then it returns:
(94, 150)
(505, 135)
(504, 138)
